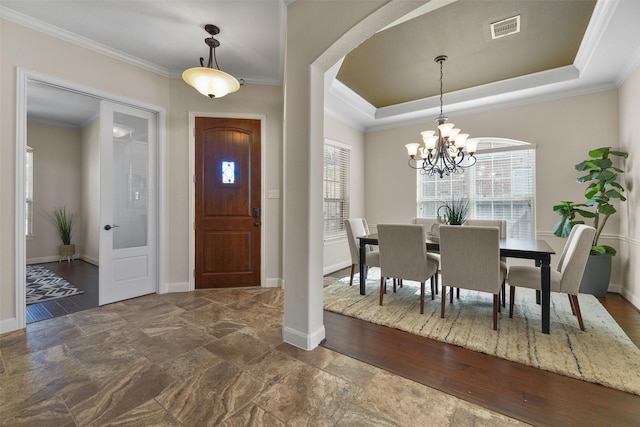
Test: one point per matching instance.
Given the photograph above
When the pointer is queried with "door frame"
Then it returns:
(192, 187)
(23, 77)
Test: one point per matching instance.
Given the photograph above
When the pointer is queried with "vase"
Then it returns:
(595, 280)
(67, 251)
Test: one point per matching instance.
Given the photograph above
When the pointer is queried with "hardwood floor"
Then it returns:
(522, 392)
(79, 273)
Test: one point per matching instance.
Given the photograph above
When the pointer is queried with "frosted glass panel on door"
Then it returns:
(131, 176)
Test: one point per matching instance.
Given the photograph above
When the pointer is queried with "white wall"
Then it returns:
(56, 183)
(336, 252)
(630, 225)
(564, 131)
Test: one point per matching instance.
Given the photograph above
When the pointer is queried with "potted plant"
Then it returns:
(455, 212)
(64, 221)
(603, 186)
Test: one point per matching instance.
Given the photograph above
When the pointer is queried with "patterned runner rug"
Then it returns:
(603, 354)
(45, 285)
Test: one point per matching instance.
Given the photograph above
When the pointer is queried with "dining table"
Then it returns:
(534, 249)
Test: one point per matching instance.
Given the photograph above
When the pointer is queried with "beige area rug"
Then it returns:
(603, 354)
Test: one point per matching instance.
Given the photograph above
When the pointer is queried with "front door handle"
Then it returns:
(109, 227)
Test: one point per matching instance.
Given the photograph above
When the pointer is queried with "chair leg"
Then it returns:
(450, 294)
(573, 309)
(394, 285)
(442, 300)
(436, 276)
(512, 297)
(383, 285)
(578, 314)
(353, 268)
(422, 297)
(458, 293)
(504, 294)
(496, 306)
(400, 282)
(431, 280)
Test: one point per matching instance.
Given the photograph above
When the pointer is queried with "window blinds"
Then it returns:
(500, 186)
(336, 189)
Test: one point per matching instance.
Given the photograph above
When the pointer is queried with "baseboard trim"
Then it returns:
(178, 287)
(90, 260)
(302, 340)
(335, 267)
(273, 282)
(42, 260)
(8, 325)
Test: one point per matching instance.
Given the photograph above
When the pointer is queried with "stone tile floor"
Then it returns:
(210, 357)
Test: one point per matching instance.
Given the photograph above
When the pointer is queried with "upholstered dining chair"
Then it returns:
(470, 259)
(358, 227)
(502, 225)
(427, 223)
(568, 275)
(403, 255)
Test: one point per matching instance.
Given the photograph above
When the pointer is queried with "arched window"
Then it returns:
(501, 185)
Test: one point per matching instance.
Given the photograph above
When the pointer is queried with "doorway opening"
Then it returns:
(38, 96)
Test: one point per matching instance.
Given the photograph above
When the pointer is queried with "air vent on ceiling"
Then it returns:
(505, 27)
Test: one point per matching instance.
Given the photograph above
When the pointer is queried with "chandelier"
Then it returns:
(209, 81)
(445, 153)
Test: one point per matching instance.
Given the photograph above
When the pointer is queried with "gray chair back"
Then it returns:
(403, 252)
(574, 258)
(470, 258)
(356, 227)
(500, 223)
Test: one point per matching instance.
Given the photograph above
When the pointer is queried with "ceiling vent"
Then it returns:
(505, 27)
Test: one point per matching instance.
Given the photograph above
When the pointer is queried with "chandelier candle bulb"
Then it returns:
(412, 149)
(445, 129)
(472, 145)
(461, 140)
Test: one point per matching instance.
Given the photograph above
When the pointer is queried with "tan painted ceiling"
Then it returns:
(397, 65)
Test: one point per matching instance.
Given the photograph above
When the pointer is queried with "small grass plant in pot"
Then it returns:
(603, 187)
(454, 211)
(65, 222)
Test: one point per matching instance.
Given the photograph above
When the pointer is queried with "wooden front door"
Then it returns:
(227, 202)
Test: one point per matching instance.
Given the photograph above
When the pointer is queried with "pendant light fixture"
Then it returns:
(446, 152)
(209, 81)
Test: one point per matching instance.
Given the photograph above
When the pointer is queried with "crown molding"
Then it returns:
(43, 27)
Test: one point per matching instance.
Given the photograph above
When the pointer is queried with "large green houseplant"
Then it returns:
(64, 222)
(603, 187)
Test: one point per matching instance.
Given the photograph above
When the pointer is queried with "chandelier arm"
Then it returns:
(415, 163)
(215, 58)
(211, 50)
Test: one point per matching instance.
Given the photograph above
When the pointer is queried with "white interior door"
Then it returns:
(128, 205)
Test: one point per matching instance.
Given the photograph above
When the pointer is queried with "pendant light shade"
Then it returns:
(209, 81)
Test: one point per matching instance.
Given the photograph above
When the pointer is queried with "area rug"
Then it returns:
(45, 285)
(603, 354)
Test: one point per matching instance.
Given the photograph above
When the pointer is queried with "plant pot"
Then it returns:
(67, 251)
(597, 274)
